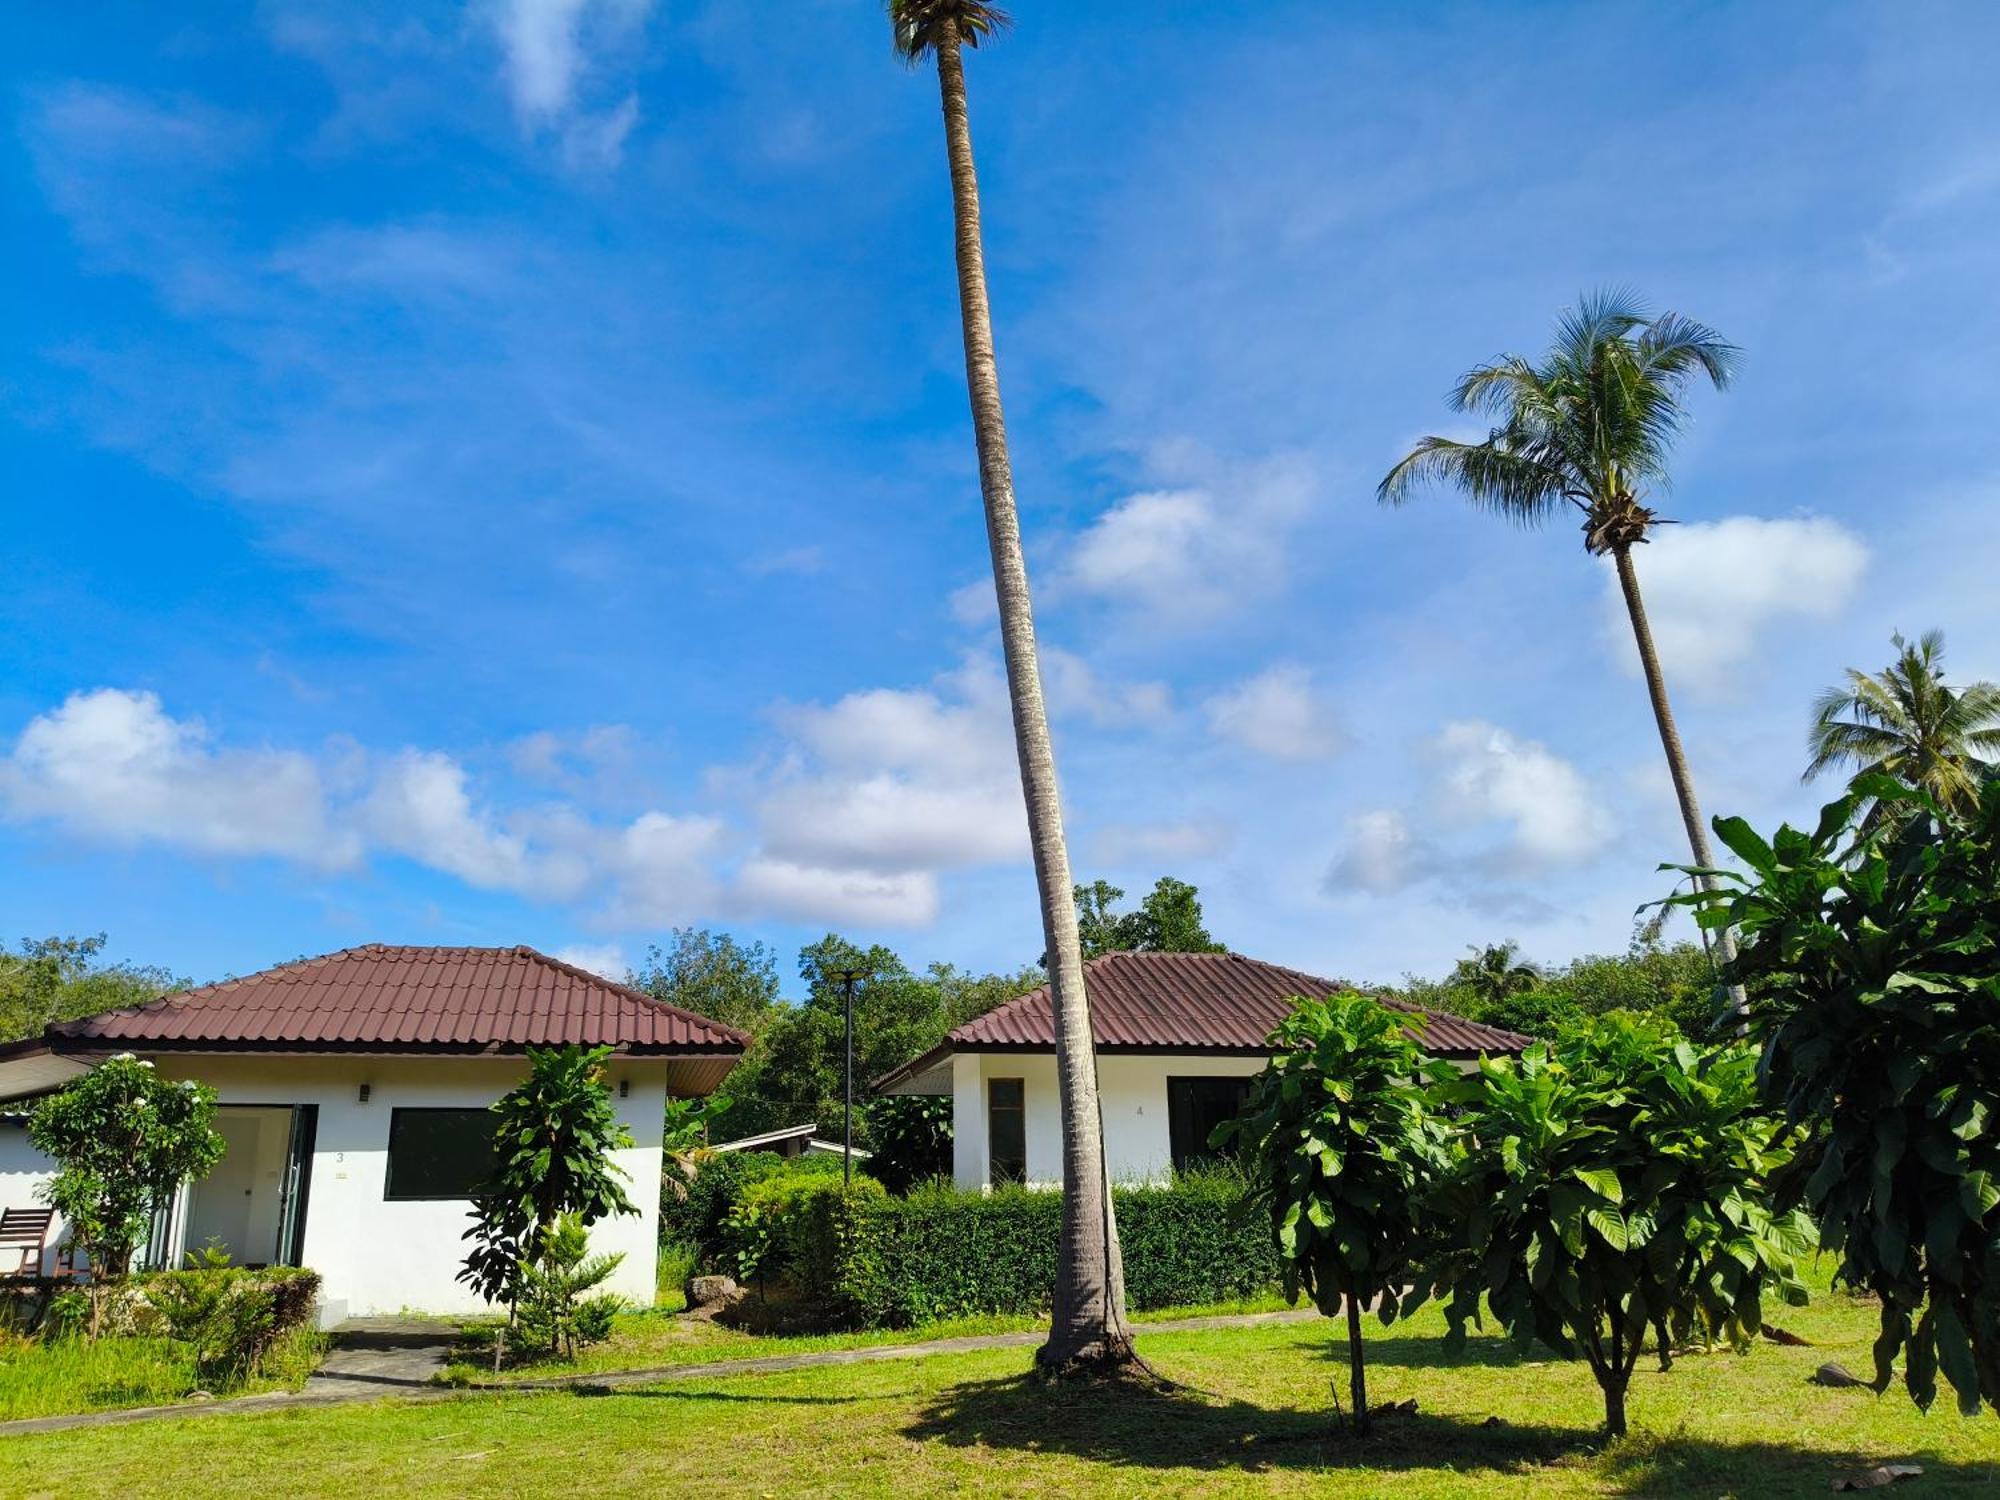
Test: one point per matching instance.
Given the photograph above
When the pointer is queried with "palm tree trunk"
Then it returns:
(1088, 1325)
(1677, 766)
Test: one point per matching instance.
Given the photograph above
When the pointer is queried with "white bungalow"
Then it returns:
(353, 1099)
(1179, 1036)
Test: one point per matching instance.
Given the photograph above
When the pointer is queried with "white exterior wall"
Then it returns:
(376, 1256)
(1132, 1093)
(22, 1170)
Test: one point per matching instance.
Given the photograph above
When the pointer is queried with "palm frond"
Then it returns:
(1491, 478)
(918, 25)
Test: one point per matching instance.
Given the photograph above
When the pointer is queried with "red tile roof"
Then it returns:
(420, 1000)
(1187, 1002)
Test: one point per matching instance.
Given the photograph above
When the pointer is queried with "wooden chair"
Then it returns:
(25, 1230)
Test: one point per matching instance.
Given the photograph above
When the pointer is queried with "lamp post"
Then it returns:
(847, 981)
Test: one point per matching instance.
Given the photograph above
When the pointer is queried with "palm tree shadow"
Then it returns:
(1142, 1427)
(1138, 1426)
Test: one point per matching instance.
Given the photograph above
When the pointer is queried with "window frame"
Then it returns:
(396, 1113)
(1020, 1112)
(1177, 1089)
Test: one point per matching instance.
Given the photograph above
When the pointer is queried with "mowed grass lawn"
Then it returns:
(1254, 1419)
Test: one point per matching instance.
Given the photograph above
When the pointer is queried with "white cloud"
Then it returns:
(1120, 844)
(607, 959)
(113, 765)
(420, 807)
(1277, 713)
(1551, 814)
(1073, 687)
(661, 868)
(813, 893)
(802, 561)
(1381, 856)
(890, 780)
(548, 49)
(1714, 589)
(974, 605)
(1202, 549)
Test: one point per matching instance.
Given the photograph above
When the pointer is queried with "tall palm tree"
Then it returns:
(1088, 1327)
(1496, 972)
(1588, 428)
(1906, 723)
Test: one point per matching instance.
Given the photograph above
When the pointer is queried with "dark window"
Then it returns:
(1195, 1106)
(1007, 1129)
(439, 1153)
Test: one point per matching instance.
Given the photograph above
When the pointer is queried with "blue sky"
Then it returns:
(499, 473)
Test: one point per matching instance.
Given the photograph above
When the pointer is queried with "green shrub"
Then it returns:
(943, 1253)
(694, 1211)
(768, 1230)
(560, 1307)
(231, 1319)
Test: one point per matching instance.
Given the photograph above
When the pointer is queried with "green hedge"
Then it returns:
(943, 1253)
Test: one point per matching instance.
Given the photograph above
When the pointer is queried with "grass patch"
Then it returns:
(656, 1339)
(1252, 1418)
(72, 1375)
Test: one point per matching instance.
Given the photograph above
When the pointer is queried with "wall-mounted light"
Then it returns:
(624, 1088)
(364, 1093)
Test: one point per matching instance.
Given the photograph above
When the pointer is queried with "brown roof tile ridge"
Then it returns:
(626, 991)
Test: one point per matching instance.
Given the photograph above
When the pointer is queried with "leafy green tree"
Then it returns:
(794, 1071)
(1586, 432)
(1872, 947)
(1088, 1328)
(1344, 1146)
(1676, 981)
(123, 1140)
(910, 1135)
(1609, 1185)
(1907, 724)
(1495, 974)
(713, 975)
(1168, 920)
(53, 979)
(554, 1133)
(1538, 1013)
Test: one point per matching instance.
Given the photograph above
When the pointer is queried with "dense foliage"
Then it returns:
(942, 1252)
(60, 978)
(793, 1072)
(1874, 944)
(1168, 920)
(230, 1317)
(553, 1135)
(1610, 1186)
(1344, 1148)
(871, 1260)
(912, 1136)
(713, 975)
(123, 1140)
(1676, 981)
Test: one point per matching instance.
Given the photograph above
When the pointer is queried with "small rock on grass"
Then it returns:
(1877, 1477)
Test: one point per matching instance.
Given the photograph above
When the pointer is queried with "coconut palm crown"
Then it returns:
(1906, 723)
(920, 24)
(1588, 427)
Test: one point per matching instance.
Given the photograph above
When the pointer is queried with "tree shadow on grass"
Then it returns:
(1677, 1464)
(1135, 1426)
(701, 1394)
